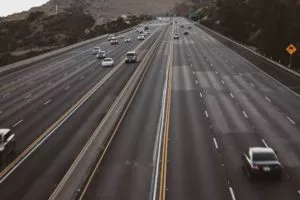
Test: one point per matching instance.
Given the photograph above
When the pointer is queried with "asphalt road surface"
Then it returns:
(220, 105)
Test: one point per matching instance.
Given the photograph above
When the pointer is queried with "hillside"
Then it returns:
(101, 10)
(269, 25)
(39, 32)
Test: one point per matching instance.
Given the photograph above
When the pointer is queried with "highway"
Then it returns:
(198, 107)
(35, 98)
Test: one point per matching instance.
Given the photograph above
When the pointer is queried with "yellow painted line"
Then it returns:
(16, 162)
(163, 173)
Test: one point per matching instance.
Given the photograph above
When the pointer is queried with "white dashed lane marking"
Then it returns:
(290, 119)
(245, 114)
(19, 122)
(216, 144)
(47, 102)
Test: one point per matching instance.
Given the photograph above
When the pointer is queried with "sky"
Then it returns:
(12, 6)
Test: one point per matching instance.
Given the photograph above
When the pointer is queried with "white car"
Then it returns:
(110, 37)
(107, 62)
(126, 40)
(96, 50)
(141, 37)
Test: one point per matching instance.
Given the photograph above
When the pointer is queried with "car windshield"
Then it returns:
(107, 60)
(130, 54)
(264, 157)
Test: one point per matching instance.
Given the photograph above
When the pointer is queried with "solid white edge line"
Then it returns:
(19, 122)
(206, 113)
(231, 95)
(161, 129)
(216, 144)
(245, 114)
(290, 119)
(232, 193)
(264, 142)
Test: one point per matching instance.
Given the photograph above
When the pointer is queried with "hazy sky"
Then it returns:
(12, 6)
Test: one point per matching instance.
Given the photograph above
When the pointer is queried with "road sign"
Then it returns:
(291, 49)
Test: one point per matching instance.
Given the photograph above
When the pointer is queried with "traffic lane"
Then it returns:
(273, 92)
(78, 86)
(79, 73)
(38, 175)
(32, 72)
(51, 75)
(233, 142)
(191, 148)
(270, 122)
(128, 165)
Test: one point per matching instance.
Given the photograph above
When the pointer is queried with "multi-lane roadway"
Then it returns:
(196, 109)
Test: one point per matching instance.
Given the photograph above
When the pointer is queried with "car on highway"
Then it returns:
(127, 39)
(7, 143)
(186, 33)
(96, 50)
(131, 57)
(107, 62)
(261, 161)
(147, 32)
(181, 26)
(101, 55)
(114, 41)
(110, 37)
(141, 37)
(176, 36)
(189, 27)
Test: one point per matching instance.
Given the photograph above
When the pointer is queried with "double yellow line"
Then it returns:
(163, 167)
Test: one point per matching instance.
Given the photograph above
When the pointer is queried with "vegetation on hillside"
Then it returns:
(268, 25)
(39, 33)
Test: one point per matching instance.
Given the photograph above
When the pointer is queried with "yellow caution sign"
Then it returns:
(291, 49)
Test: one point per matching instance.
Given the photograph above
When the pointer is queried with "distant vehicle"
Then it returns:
(147, 32)
(107, 62)
(127, 39)
(189, 27)
(176, 36)
(7, 143)
(110, 37)
(131, 57)
(181, 26)
(101, 55)
(141, 37)
(261, 161)
(96, 50)
(186, 33)
(114, 40)
(146, 28)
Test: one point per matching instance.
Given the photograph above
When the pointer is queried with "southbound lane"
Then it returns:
(38, 175)
(127, 168)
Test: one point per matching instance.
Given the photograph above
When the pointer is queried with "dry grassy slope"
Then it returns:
(109, 8)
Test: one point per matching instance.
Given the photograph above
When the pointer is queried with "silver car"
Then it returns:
(107, 62)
